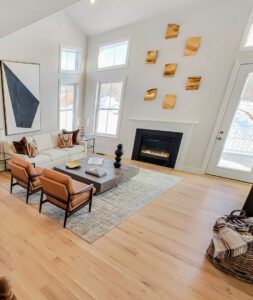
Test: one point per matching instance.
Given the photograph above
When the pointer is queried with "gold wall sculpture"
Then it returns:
(192, 45)
(172, 31)
(170, 70)
(169, 101)
(150, 95)
(151, 57)
(193, 83)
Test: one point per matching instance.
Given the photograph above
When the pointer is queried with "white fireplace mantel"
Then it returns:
(166, 121)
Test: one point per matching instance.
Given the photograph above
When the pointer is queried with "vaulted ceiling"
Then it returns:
(16, 14)
(105, 15)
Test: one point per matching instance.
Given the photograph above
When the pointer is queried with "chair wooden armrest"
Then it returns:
(36, 175)
(81, 191)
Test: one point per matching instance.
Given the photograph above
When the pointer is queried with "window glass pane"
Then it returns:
(113, 55)
(116, 94)
(112, 124)
(121, 54)
(101, 121)
(249, 40)
(66, 120)
(69, 60)
(67, 96)
(108, 108)
(106, 57)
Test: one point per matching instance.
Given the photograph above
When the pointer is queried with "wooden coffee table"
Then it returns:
(103, 184)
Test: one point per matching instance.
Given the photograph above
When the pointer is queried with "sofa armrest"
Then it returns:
(8, 148)
(85, 145)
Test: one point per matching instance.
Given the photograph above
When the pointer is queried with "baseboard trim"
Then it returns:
(191, 170)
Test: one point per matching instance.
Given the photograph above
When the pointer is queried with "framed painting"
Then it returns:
(21, 96)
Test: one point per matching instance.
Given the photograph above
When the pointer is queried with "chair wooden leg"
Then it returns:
(90, 204)
(65, 218)
(41, 199)
(27, 195)
(11, 183)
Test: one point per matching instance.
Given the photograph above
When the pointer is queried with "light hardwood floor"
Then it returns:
(158, 253)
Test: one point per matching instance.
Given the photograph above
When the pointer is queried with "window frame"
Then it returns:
(79, 63)
(243, 48)
(76, 85)
(96, 109)
(115, 42)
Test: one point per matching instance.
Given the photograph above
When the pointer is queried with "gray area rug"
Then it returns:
(110, 208)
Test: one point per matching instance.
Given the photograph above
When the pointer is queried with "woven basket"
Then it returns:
(240, 266)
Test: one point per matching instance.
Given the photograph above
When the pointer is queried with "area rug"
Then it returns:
(110, 208)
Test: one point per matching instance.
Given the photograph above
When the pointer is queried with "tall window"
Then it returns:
(247, 40)
(67, 104)
(71, 59)
(108, 108)
(113, 56)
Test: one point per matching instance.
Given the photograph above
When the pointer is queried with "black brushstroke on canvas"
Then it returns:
(23, 102)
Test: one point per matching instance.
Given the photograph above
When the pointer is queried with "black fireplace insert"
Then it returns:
(157, 147)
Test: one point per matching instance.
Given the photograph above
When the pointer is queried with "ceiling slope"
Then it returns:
(106, 15)
(16, 14)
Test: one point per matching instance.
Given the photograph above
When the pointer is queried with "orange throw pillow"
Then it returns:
(65, 140)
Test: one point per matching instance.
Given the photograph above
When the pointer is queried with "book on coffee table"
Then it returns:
(96, 172)
(95, 161)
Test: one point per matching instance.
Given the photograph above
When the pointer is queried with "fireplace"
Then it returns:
(157, 147)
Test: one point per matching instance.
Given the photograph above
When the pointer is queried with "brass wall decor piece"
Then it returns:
(170, 70)
(193, 83)
(150, 95)
(172, 31)
(169, 101)
(192, 45)
(151, 57)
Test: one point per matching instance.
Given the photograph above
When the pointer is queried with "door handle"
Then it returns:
(219, 138)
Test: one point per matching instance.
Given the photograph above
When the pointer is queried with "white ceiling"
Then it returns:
(15, 14)
(106, 15)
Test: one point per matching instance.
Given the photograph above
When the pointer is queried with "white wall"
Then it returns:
(39, 43)
(221, 24)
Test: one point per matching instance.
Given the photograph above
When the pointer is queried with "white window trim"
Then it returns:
(76, 100)
(80, 60)
(112, 43)
(120, 109)
(245, 35)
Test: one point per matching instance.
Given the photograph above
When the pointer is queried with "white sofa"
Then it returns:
(49, 154)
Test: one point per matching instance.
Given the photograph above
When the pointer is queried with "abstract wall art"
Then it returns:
(169, 101)
(150, 95)
(193, 83)
(172, 31)
(170, 70)
(192, 45)
(151, 57)
(21, 96)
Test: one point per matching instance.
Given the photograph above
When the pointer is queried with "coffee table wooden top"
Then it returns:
(102, 184)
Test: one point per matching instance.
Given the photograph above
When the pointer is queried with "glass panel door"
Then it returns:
(232, 156)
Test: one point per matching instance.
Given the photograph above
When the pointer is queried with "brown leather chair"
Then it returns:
(61, 190)
(25, 175)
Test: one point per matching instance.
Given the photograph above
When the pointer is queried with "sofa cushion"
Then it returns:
(75, 149)
(43, 141)
(54, 137)
(39, 159)
(55, 153)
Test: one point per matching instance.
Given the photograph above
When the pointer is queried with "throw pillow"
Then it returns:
(65, 140)
(74, 135)
(21, 146)
(32, 148)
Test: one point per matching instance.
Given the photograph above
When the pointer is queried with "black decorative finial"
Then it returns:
(119, 152)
